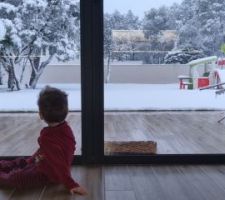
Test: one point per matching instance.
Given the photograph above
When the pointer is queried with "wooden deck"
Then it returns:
(174, 132)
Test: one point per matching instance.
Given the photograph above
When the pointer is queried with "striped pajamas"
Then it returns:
(19, 174)
(50, 163)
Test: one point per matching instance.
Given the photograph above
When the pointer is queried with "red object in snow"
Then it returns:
(203, 82)
(221, 62)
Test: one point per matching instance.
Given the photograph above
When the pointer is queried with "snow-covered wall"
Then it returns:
(153, 74)
(120, 73)
(156, 74)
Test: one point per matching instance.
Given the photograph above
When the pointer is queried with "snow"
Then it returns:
(2, 30)
(7, 7)
(202, 60)
(221, 73)
(37, 3)
(122, 97)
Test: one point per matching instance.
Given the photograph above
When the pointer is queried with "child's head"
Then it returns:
(53, 104)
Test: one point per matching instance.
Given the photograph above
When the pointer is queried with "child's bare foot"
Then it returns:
(79, 190)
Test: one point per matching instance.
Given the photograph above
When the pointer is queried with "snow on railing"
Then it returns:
(202, 60)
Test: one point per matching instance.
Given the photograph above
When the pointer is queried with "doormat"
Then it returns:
(130, 147)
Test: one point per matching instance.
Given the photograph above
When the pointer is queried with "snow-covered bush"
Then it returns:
(182, 56)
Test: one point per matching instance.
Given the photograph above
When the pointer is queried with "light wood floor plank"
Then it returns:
(31, 194)
(118, 180)
(89, 177)
(6, 194)
(173, 182)
(120, 195)
(155, 182)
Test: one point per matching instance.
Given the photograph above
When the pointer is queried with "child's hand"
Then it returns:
(79, 190)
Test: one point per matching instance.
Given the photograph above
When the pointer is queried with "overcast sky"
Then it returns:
(137, 6)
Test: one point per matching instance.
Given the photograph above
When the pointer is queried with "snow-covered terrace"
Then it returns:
(123, 97)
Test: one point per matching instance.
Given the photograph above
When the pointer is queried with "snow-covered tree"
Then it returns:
(211, 14)
(131, 21)
(53, 28)
(2, 36)
(202, 25)
(117, 21)
(1, 75)
(189, 36)
(37, 28)
(155, 21)
(10, 43)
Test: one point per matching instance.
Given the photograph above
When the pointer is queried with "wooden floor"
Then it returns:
(165, 183)
(90, 177)
(174, 132)
(135, 183)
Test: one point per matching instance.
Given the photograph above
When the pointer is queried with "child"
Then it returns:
(51, 162)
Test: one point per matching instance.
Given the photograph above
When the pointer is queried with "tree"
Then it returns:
(202, 25)
(211, 14)
(155, 21)
(117, 21)
(55, 34)
(1, 76)
(2, 36)
(10, 43)
(189, 36)
(39, 27)
(108, 26)
(131, 21)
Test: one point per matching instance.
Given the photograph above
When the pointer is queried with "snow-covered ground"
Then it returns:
(123, 97)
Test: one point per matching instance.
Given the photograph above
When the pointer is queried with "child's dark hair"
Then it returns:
(53, 104)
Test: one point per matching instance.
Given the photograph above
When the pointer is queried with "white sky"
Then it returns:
(138, 7)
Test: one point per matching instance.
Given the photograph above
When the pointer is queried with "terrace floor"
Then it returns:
(175, 132)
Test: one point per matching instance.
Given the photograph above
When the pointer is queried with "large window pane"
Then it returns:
(39, 46)
(158, 55)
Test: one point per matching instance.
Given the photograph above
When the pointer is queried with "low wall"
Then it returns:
(153, 74)
(61, 74)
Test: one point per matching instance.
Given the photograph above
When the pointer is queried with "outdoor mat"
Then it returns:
(130, 147)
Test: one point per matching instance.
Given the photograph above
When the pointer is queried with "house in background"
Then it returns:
(133, 45)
